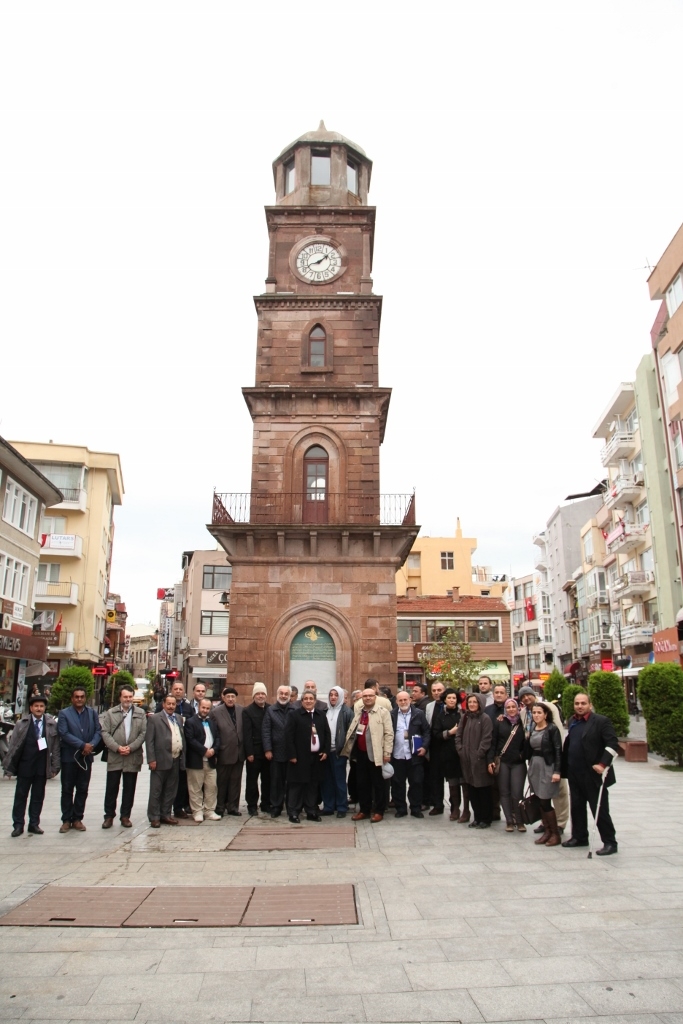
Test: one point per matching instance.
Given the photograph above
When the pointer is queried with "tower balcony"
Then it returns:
(622, 491)
(638, 581)
(625, 537)
(317, 509)
(620, 446)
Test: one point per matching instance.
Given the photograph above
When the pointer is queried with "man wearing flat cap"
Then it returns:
(34, 757)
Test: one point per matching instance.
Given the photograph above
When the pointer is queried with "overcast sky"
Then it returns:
(527, 166)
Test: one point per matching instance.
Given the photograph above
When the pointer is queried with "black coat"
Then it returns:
(194, 743)
(551, 747)
(418, 726)
(515, 753)
(494, 711)
(298, 733)
(252, 729)
(184, 708)
(273, 731)
(443, 752)
(598, 734)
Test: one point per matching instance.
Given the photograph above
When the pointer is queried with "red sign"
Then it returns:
(99, 670)
(665, 645)
(607, 665)
(161, 592)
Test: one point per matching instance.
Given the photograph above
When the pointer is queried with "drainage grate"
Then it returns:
(293, 838)
(282, 905)
(188, 906)
(65, 906)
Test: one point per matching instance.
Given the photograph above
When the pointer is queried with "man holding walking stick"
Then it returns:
(589, 749)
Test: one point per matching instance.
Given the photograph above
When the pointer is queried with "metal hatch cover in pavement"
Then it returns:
(63, 906)
(295, 837)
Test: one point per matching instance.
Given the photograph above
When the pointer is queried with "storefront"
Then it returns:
(667, 646)
(17, 651)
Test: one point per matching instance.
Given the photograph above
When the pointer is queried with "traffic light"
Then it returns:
(99, 670)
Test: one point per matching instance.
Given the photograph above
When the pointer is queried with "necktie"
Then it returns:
(36, 726)
(172, 718)
(206, 723)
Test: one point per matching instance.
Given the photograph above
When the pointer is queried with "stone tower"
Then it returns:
(314, 546)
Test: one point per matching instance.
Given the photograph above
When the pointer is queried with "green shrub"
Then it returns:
(660, 691)
(568, 695)
(69, 678)
(555, 686)
(606, 692)
(115, 683)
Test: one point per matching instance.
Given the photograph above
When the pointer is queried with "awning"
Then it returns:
(210, 672)
(496, 670)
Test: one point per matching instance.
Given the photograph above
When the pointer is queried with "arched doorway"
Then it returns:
(313, 655)
(316, 477)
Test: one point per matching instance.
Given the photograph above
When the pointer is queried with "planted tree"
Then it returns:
(568, 695)
(115, 683)
(555, 686)
(660, 690)
(66, 683)
(451, 660)
(607, 696)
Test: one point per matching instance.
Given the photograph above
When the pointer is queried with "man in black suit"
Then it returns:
(165, 748)
(408, 762)
(34, 757)
(186, 709)
(589, 749)
(307, 736)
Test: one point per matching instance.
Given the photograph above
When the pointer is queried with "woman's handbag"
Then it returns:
(530, 810)
(496, 760)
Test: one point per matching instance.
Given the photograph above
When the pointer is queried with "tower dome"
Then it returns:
(322, 168)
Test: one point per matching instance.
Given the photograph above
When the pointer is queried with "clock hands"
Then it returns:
(313, 263)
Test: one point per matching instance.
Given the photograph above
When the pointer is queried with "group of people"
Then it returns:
(378, 751)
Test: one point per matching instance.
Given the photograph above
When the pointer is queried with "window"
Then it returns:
(315, 468)
(53, 524)
(290, 177)
(481, 631)
(352, 178)
(674, 294)
(534, 662)
(588, 546)
(214, 624)
(547, 631)
(519, 664)
(678, 448)
(647, 560)
(517, 616)
(545, 603)
(631, 565)
(632, 422)
(635, 466)
(320, 169)
(518, 593)
(518, 640)
(13, 579)
(651, 611)
(19, 508)
(413, 562)
(533, 639)
(48, 572)
(316, 346)
(217, 577)
(642, 512)
(446, 559)
(68, 477)
(408, 631)
(528, 590)
(437, 627)
(671, 376)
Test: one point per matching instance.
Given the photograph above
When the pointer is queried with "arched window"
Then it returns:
(316, 476)
(316, 346)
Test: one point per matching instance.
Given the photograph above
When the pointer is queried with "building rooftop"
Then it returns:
(322, 136)
(461, 606)
(29, 475)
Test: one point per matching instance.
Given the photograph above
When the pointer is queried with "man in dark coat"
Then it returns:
(307, 736)
(311, 687)
(257, 766)
(275, 747)
(589, 748)
(227, 718)
(34, 757)
(165, 748)
(79, 734)
(408, 760)
(184, 708)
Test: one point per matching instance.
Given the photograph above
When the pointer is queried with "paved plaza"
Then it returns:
(454, 924)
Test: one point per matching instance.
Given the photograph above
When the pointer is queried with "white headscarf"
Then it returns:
(333, 712)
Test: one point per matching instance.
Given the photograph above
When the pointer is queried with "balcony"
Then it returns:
(259, 509)
(68, 545)
(621, 445)
(75, 500)
(571, 615)
(625, 537)
(64, 644)
(636, 582)
(623, 490)
(56, 593)
(597, 598)
(637, 633)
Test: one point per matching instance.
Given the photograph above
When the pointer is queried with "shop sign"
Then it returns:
(19, 645)
(665, 645)
(607, 665)
(61, 541)
(7, 607)
(216, 657)
(53, 667)
(51, 637)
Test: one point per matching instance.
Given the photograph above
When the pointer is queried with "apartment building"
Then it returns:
(436, 565)
(531, 625)
(143, 643)
(204, 619)
(75, 560)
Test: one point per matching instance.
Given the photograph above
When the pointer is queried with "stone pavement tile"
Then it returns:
(478, 948)
(329, 955)
(497, 927)
(641, 965)
(611, 902)
(618, 1018)
(206, 959)
(597, 921)
(286, 981)
(401, 911)
(443, 929)
(38, 1009)
(340, 1009)
(456, 908)
(24, 988)
(404, 951)
(644, 939)
(277, 936)
(400, 1007)
(568, 943)
(439, 976)
(100, 962)
(324, 982)
(551, 890)
(663, 900)
(44, 964)
(529, 1002)
(670, 1018)
(532, 908)
(634, 996)
(187, 1012)
(551, 969)
(140, 988)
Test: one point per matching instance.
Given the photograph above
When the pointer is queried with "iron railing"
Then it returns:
(263, 509)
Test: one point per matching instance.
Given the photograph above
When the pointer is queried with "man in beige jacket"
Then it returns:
(369, 742)
(382, 701)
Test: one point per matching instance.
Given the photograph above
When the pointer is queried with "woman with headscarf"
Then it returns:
(507, 743)
(472, 742)
(443, 755)
(333, 781)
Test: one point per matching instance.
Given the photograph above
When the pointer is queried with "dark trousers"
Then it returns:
(35, 784)
(431, 772)
(584, 788)
(278, 784)
(111, 793)
(258, 767)
(413, 774)
(511, 789)
(333, 783)
(370, 784)
(351, 783)
(75, 784)
(481, 799)
(163, 785)
(181, 800)
(435, 786)
(228, 785)
(302, 794)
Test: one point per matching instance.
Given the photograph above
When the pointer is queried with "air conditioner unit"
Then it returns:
(605, 645)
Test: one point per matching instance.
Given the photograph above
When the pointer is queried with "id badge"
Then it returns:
(405, 734)
(42, 743)
(360, 730)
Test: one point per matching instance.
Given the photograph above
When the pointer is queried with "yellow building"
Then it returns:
(437, 565)
(75, 558)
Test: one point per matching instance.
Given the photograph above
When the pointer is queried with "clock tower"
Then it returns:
(314, 546)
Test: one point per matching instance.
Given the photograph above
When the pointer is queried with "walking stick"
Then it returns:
(594, 827)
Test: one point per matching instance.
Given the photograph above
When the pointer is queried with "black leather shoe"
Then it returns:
(575, 842)
(607, 849)
(401, 814)
(235, 814)
(473, 824)
(416, 814)
(295, 819)
(252, 811)
(275, 814)
(35, 830)
(541, 828)
(327, 814)
(341, 814)
(313, 817)
(17, 832)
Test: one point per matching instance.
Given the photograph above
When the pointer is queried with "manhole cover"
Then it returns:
(188, 906)
(294, 838)
(282, 905)
(64, 906)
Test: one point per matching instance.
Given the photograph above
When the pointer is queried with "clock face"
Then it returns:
(319, 262)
